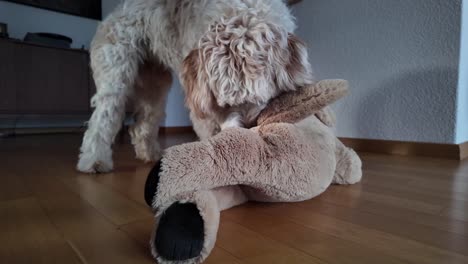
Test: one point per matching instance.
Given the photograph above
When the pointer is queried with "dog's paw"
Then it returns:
(89, 164)
(148, 157)
(148, 153)
(180, 234)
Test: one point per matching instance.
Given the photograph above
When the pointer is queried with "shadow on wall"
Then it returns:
(414, 106)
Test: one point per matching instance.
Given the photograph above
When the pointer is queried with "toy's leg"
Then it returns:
(348, 167)
(229, 196)
(197, 166)
(186, 226)
(187, 229)
(263, 159)
(188, 186)
(179, 233)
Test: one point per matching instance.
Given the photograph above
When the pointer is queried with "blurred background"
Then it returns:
(406, 61)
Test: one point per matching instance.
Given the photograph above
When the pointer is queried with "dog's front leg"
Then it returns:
(204, 128)
(115, 68)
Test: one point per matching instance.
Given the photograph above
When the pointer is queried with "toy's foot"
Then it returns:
(152, 182)
(180, 234)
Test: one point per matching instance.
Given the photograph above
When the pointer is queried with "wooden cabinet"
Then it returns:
(39, 80)
(7, 79)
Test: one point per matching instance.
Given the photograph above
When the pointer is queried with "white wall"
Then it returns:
(462, 104)
(108, 6)
(401, 58)
(22, 19)
(176, 112)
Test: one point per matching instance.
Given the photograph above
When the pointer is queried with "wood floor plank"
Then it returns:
(410, 173)
(353, 195)
(409, 191)
(128, 182)
(312, 242)
(434, 221)
(90, 232)
(424, 234)
(428, 172)
(12, 187)
(452, 217)
(112, 204)
(141, 232)
(441, 186)
(406, 210)
(409, 161)
(28, 236)
(219, 255)
(454, 186)
(406, 249)
(251, 247)
(457, 211)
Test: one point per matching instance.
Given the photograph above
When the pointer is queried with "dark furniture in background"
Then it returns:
(85, 8)
(292, 2)
(44, 83)
(3, 30)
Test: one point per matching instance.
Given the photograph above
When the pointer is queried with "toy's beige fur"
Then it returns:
(232, 56)
(291, 155)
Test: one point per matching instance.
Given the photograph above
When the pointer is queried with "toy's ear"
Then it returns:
(291, 107)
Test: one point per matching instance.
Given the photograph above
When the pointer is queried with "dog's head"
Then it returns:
(243, 60)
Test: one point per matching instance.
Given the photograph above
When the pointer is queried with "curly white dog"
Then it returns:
(232, 56)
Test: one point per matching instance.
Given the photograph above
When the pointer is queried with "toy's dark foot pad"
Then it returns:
(152, 181)
(180, 233)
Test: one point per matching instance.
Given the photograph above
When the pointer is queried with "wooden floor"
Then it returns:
(406, 210)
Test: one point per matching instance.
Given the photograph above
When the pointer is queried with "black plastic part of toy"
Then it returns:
(151, 185)
(180, 234)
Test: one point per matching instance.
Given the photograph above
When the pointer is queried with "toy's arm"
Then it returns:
(264, 158)
(327, 116)
(223, 160)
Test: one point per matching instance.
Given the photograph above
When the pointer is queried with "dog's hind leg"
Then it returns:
(151, 89)
(115, 66)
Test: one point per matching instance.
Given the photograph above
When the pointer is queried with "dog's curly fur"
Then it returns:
(232, 56)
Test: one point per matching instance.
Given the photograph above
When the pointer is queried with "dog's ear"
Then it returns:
(235, 53)
(243, 60)
(296, 70)
(248, 60)
(199, 97)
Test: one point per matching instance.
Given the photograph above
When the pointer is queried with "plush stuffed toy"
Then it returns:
(291, 155)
